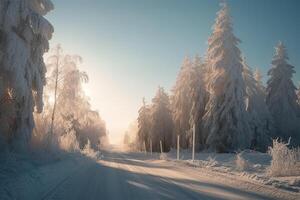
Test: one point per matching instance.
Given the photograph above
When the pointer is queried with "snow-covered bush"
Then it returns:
(68, 142)
(285, 161)
(241, 163)
(88, 151)
(211, 162)
(163, 156)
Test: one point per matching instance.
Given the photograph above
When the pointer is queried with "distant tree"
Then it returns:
(260, 118)
(126, 139)
(199, 97)
(144, 126)
(258, 77)
(181, 102)
(161, 121)
(134, 142)
(226, 119)
(281, 96)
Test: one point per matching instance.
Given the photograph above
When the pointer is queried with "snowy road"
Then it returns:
(130, 176)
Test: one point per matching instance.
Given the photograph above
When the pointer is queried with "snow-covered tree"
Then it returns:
(226, 119)
(126, 139)
(24, 35)
(261, 89)
(258, 77)
(63, 87)
(132, 133)
(281, 95)
(181, 102)
(199, 97)
(65, 99)
(55, 65)
(161, 121)
(74, 106)
(144, 125)
(260, 118)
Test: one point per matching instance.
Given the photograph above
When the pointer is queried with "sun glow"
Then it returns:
(113, 104)
(51, 99)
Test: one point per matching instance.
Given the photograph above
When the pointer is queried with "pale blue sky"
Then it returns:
(129, 47)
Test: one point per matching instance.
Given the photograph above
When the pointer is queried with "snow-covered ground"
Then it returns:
(128, 175)
(248, 165)
(28, 176)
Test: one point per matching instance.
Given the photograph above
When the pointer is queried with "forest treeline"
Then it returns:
(42, 103)
(223, 100)
(219, 96)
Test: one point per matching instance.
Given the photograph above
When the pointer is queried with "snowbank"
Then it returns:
(22, 175)
(247, 165)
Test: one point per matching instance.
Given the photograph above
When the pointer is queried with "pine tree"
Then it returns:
(263, 109)
(258, 77)
(144, 126)
(226, 119)
(181, 102)
(281, 95)
(260, 118)
(161, 121)
(199, 98)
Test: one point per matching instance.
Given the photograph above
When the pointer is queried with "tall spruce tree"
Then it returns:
(260, 119)
(161, 121)
(144, 126)
(199, 98)
(281, 96)
(181, 102)
(226, 119)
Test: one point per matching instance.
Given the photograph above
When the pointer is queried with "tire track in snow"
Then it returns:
(174, 172)
(179, 189)
(50, 193)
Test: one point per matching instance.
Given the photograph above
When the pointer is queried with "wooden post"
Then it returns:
(178, 147)
(151, 146)
(193, 152)
(145, 147)
(161, 149)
